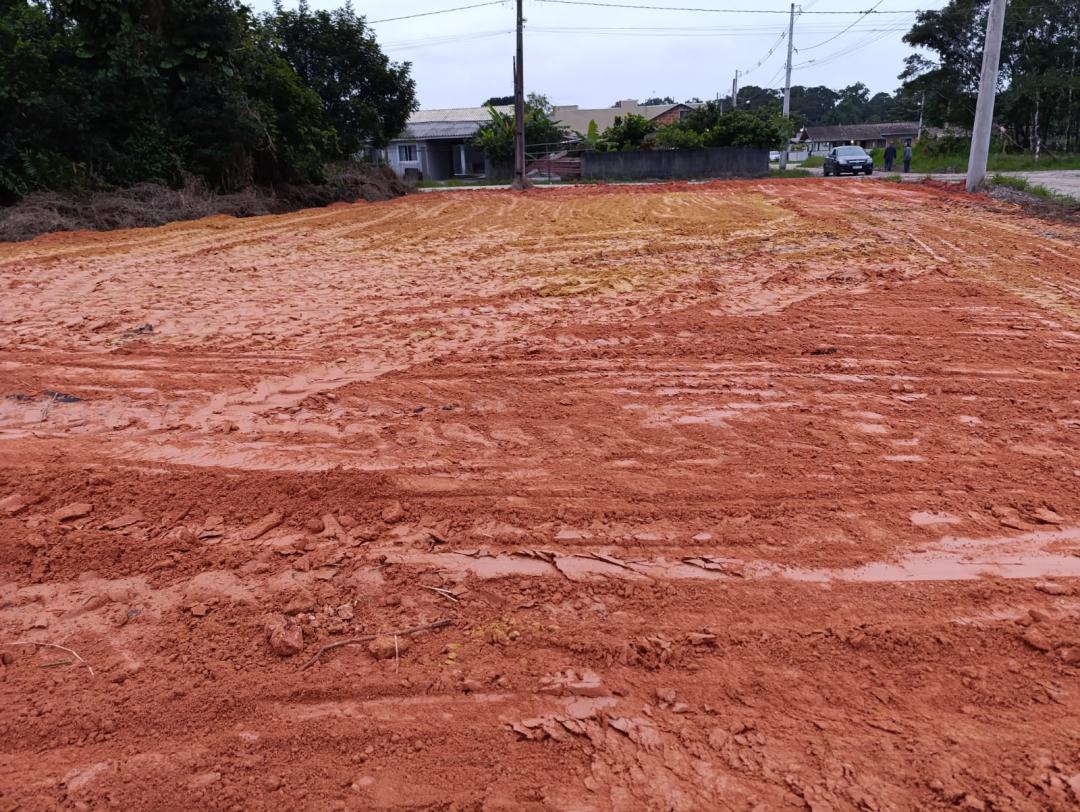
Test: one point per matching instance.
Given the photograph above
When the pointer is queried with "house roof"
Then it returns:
(453, 122)
(861, 132)
(577, 119)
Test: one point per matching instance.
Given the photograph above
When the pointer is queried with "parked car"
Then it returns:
(848, 159)
(774, 156)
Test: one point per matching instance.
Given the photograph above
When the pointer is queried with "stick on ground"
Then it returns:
(74, 654)
(367, 638)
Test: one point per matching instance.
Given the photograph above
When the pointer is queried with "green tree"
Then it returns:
(740, 128)
(365, 96)
(675, 137)
(627, 132)
(1039, 87)
(658, 100)
(592, 135)
(496, 136)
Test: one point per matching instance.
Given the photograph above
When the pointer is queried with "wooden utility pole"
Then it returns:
(520, 181)
(984, 107)
(787, 84)
(735, 92)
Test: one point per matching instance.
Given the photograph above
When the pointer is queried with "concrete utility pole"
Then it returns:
(520, 181)
(984, 108)
(735, 92)
(787, 83)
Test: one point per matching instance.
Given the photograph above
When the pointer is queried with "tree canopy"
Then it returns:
(99, 93)
(1038, 85)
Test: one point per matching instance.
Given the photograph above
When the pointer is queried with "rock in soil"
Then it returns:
(388, 647)
(285, 636)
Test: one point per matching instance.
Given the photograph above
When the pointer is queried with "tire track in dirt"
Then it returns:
(738, 493)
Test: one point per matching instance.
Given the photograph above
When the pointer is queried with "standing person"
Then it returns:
(907, 157)
(890, 156)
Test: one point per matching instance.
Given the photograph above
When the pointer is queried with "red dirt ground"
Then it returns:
(748, 495)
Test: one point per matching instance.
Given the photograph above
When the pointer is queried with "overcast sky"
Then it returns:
(462, 58)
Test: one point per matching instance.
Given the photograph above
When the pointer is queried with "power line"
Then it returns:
(841, 33)
(770, 52)
(600, 4)
(709, 30)
(847, 50)
(705, 33)
(431, 41)
(440, 11)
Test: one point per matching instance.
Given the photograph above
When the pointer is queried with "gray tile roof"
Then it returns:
(862, 132)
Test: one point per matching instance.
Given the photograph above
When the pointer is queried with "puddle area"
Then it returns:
(964, 559)
(949, 559)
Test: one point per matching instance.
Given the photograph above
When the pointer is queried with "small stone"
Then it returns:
(199, 610)
(285, 636)
(393, 513)
(1052, 588)
(120, 522)
(388, 647)
(1070, 656)
(13, 504)
(346, 521)
(314, 525)
(76, 510)
(1047, 516)
(304, 602)
(588, 685)
(260, 526)
(345, 611)
(204, 780)
(1036, 639)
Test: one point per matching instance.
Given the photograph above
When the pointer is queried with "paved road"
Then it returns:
(1063, 181)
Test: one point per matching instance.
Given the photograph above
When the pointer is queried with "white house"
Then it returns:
(435, 144)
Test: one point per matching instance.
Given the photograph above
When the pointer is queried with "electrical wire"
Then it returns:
(447, 40)
(841, 33)
(439, 11)
(600, 4)
(847, 50)
(764, 59)
(734, 30)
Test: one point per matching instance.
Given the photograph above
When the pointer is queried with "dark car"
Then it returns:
(848, 159)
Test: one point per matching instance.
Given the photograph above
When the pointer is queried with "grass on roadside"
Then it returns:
(789, 173)
(956, 162)
(1024, 185)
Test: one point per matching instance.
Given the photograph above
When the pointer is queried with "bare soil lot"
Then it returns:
(748, 495)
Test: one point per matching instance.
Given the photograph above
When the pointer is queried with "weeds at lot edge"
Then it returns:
(789, 173)
(1024, 185)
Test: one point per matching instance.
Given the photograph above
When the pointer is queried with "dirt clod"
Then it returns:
(388, 648)
(76, 510)
(285, 636)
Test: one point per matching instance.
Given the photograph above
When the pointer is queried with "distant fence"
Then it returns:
(662, 164)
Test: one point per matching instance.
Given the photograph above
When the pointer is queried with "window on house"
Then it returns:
(406, 152)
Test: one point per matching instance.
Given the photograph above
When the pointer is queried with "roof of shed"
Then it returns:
(861, 132)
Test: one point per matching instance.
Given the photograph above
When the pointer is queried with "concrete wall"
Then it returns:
(713, 162)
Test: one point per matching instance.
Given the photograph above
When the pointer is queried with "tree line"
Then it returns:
(110, 93)
(1038, 101)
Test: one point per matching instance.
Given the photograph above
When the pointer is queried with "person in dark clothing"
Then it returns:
(890, 156)
(907, 157)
